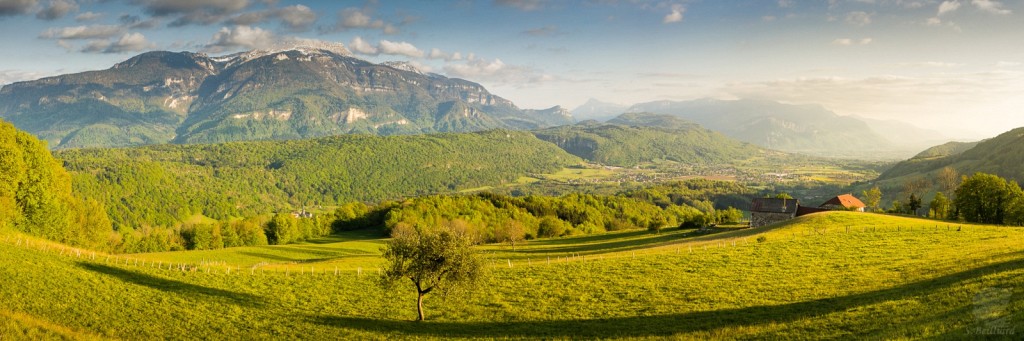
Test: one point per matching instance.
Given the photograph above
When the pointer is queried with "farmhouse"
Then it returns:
(767, 211)
(845, 202)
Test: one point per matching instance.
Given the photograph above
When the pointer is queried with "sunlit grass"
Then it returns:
(835, 275)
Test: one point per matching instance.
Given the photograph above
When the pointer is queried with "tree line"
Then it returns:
(979, 198)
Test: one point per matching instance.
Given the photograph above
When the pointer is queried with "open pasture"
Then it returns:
(834, 275)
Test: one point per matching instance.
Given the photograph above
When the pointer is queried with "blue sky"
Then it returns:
(954, 65)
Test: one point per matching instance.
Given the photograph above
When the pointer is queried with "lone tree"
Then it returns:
(873, 197)
(440, 259)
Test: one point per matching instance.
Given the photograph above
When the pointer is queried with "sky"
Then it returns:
(956, 66)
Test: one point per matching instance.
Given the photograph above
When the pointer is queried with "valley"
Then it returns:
(511, 169)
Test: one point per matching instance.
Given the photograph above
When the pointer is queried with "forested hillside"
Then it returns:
(36, 196)
(165, 184)
(1002, 155)
(640, 138)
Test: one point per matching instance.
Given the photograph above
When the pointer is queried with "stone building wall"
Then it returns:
(758, 219)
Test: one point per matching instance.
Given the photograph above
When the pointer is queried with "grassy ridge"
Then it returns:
(885, 277)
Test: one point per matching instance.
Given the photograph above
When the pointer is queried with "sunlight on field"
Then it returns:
(832, 275)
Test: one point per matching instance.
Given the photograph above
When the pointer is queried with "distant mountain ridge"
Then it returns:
(597, 110)
(1002, 155)
(289, 93)
(634, 138)
(809, 129)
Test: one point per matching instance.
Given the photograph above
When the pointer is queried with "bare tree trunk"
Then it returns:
(419, 305)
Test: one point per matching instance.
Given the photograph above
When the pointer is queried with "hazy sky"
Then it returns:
(955, 65)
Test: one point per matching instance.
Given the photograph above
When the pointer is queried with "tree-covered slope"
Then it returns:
(636, 138)
(36, 196)
(164, 184)
(1002, 155)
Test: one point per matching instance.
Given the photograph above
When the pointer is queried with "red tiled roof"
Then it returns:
(845, 200)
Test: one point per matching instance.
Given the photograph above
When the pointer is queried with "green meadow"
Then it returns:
(837, 275)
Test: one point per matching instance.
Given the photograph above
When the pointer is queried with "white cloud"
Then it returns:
(948, 6)
(675, 15)
(400, 48)
(934, 21)
(129, 42)
(991, 6)
(360, 46)
(858, 18)
(88, 16)
(241, 36)
(16, 7)
(385, 47)
(82, 32)
(1007, 64)
(785, 3)
(356, 18)
(495, 72)
(436, 53)
(297, 17)
(57, 9)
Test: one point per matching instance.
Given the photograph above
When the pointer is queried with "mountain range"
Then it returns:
(299, 92)
(634, 138)
(808, 129)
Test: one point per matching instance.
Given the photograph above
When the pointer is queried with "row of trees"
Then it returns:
(981, 198)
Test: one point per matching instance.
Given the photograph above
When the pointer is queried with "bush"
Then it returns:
(551, 227)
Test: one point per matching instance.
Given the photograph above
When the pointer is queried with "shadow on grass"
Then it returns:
(348, 236)
(667, 325)
(616, 245)
(173, 286)
(271, 256)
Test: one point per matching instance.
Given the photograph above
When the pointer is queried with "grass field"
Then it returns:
(836, 275)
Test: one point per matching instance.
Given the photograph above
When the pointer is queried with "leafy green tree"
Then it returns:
(913, 203)
(433, 259)
(897, 207)
(783, 195)
(872, 197)
(550, 226)
(939, 206)
(282, 229)
(36, 195)
(985, 198)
